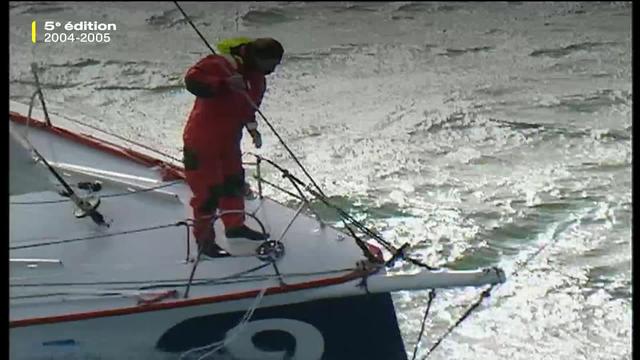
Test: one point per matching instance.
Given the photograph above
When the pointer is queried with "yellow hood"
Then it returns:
(224, 46)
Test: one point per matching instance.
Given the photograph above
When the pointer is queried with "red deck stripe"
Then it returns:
(182, 303)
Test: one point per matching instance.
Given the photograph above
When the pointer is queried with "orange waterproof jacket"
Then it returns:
(216, 122)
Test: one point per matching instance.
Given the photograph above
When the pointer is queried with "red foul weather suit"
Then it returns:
(212, 136)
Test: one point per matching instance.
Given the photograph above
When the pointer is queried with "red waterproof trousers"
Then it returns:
(212, 136)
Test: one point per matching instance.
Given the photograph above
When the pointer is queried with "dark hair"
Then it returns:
(266, 48)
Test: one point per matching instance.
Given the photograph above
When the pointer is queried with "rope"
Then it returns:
(83, 205)
(57, 242)
(535, 254)
(320, 196)
(214, 218)
(48, 121)
(296, 183)
(262, 180)
(187, 226)
(432, 294)
(121, 138)
(146, 147)
(485, 294)
(38, 91)
(101, 196)
(255, 107)
(234, 332)
(194, 27)
(192, 273)
(34, 69)
(386, 244)
(346, 217)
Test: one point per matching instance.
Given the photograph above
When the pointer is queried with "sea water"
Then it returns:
(478, 133)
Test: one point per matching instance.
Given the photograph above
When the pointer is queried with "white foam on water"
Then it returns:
(476, 132)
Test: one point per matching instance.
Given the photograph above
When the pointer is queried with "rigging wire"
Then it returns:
(360, 226)
(432, 295)
(346, 216)
(252, 103)
(92, 237)
(101, 196)
(127, 140)
(85, 206)
(487, 292)
(318, 193)
(181, 282)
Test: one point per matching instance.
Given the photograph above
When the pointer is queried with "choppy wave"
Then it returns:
(458, 52)
(79, 63)
(428, 7)
(169, 19)
(158, 88)
(461, 120)
(258, 17)
(402, 17)
(495, 139)
(496, 91)
(47, 85)
(478, 145)
(319, 54)
(129, 63)
(590, 102)
(39, 8)
(564, 51)
(355, 8)
(494, 31)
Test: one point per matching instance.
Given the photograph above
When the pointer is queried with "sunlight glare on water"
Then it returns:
(477, 132)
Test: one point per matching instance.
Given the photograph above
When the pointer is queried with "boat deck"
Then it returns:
(142, 246)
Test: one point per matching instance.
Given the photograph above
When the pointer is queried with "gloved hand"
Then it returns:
(236, 82)
(257, 138)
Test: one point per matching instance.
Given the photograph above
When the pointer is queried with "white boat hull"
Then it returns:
(76, 287)
(338, 328)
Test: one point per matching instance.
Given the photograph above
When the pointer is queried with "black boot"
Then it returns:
(211, 249)
(244, 232)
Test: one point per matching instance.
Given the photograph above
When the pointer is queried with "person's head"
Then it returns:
(263, 55)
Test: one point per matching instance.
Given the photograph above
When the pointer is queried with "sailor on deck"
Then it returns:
(212, 135)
